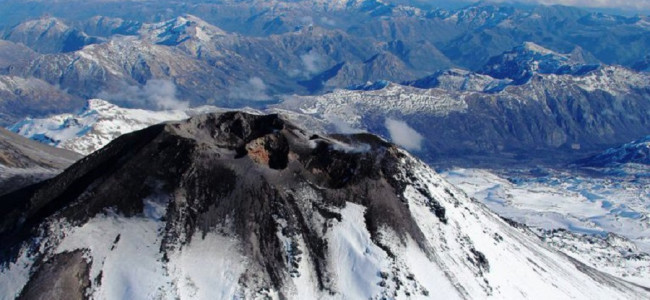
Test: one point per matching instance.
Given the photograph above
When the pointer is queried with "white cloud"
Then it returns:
(402, 134)
(254, 89)
(162, 94)
(156, 93)
(312, 62)
(327, 21)
(341, 125)
(307, 20)
(351, 148)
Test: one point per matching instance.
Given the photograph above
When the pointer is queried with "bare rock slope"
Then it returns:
(23, 161)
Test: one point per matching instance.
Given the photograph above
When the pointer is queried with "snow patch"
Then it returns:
(355, 260)
(208, 268)
(126, 262)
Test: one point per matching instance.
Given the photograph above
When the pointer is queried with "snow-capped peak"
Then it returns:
(43, 24)
(532, 47)
(98, 123)
(520, 63)
(181, 29)
(99, 105)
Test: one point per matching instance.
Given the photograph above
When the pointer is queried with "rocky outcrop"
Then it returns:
(24, 162)
(64, 276)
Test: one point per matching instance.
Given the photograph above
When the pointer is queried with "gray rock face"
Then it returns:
(24, 162)
(12, 54)
(65, 276)
(21, 97)
(19, 152)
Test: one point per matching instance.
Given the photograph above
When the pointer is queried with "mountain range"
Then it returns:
(544, 107)
(464, 115)
(255, 51)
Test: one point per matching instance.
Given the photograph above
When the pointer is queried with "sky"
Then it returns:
(627, 6)
(617, 4)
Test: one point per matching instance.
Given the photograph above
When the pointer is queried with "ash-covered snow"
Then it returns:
(126, 261)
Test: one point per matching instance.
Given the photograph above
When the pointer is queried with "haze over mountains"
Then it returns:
(523, 75)
(469, 114)
(255, 50)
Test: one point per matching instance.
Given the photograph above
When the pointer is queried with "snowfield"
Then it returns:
(603, 221)
(97, 124)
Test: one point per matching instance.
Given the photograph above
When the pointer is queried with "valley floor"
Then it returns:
(603, 221)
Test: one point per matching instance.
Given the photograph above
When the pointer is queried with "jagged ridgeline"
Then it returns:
(236, 205)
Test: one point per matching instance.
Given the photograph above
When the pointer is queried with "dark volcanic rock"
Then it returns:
(234, 170)
(252, 206)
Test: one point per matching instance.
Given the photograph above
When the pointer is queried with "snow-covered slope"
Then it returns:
(49, 35)
(98, 123)
(352, 106)
(523, 61)
(460, 80)
(244, 206)
(636, 152)
(600, 220)
(179, 30)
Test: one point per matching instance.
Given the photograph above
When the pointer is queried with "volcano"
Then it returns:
(237, 205)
